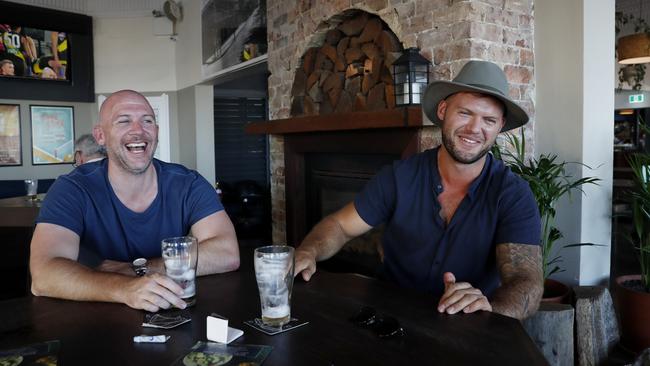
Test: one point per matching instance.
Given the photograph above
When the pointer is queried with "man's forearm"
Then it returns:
(66, 279)
(325, 239)
(517, 299)
(217, 255)
(521, 287)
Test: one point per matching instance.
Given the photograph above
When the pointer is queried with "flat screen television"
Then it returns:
(45, 54)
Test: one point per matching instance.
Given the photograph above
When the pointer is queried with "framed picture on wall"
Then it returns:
(10, 146)
(52, 134)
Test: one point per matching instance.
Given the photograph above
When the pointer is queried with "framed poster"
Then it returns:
(52, 134)
(10, 147)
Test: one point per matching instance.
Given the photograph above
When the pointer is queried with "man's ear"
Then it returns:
(442, 109)
(98, 134)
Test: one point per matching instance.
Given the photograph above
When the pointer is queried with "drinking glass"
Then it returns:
(274, 266)
(31, 186)
(180, 255)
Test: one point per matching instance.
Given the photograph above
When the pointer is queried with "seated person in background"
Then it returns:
(459, 224)
(96, 220)
(86, 150)
(6, 68)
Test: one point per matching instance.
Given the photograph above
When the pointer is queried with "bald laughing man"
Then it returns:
(99, 218)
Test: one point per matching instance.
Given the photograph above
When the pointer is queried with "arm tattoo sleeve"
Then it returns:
(520, 268)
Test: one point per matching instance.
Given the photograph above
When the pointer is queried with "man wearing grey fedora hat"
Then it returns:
(458, 223)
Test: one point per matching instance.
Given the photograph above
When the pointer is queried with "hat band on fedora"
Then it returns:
(487, 87)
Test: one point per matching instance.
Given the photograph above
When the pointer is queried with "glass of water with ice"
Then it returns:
(180, 255)
(274, 267)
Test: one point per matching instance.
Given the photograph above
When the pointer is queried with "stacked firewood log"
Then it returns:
(351, 71)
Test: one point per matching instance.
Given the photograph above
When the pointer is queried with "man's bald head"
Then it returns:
(122, 96)
(127, 128)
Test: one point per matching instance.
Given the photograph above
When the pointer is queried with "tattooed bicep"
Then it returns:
(514, 260)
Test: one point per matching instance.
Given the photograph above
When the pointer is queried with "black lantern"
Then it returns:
(410, 76)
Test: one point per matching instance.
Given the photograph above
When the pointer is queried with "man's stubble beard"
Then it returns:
(448, 143)
(122, 162)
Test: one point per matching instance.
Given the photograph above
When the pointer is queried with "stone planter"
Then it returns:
(634, 312)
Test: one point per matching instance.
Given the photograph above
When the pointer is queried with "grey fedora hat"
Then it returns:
(477, 77)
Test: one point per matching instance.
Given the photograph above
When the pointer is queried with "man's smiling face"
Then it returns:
(471, 123)
(129, 131)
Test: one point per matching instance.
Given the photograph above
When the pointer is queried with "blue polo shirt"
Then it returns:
(419, 247)
(84, 202)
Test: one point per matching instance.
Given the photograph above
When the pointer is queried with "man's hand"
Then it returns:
(305, 264)
(461, 296)
(152, 293)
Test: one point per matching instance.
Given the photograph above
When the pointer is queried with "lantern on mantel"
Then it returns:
(410, 76)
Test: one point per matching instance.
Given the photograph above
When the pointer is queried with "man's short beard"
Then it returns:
(455, 154)
(118, 159)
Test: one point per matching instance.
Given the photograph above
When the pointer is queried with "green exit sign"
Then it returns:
(636, 98)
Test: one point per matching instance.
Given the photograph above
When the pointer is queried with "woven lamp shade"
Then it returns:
(634, 49)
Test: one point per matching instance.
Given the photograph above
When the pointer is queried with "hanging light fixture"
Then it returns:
(411, 77)
(635, 48)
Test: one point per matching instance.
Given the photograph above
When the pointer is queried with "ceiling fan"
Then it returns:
(172, 10)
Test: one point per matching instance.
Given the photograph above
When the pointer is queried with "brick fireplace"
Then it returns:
(448, 32)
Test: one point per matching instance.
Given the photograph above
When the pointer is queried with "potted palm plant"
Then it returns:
(549, 181)
(633, 291)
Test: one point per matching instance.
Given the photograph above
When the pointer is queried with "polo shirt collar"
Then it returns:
(437, 180)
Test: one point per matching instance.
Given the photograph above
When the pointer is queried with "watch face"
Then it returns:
(140, 266)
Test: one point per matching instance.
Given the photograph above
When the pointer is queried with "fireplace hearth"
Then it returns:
(329, 159)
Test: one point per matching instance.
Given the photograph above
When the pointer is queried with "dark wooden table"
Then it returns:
(17, 216)
(102, 333)
(19, 211)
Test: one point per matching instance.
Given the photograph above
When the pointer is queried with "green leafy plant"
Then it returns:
(640, 198)
(548, 181)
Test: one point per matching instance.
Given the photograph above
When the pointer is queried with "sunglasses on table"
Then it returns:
(384, 326)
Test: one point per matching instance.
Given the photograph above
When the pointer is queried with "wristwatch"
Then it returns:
(140, 266)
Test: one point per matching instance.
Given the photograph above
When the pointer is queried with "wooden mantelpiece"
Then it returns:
(388, 118)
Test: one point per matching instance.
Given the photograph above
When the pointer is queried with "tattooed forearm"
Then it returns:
(520, 268)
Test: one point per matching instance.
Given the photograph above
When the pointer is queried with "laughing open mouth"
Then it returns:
(136, 146)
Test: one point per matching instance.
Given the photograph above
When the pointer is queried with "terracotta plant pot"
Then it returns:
(634, 312)
(555, 292)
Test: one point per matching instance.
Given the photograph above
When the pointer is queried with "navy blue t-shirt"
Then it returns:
(84, 202)
(419, 247)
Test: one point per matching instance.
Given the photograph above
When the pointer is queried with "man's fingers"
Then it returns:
(452, 289)
(164, 297)
(153, 292)
(463, 302)
(307, 273)
(168, 283)
(305, 265)
(449, 279)
(479, 304)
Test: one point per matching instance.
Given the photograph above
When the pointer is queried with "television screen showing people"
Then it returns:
(33, 53)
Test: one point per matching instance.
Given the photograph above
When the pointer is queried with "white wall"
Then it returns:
(129, 56)
(188, 45)
(574, 56)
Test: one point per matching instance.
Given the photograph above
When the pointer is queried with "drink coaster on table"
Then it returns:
(266, 329)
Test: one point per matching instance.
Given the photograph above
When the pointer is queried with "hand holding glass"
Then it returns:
(181, 255)
(274, 266)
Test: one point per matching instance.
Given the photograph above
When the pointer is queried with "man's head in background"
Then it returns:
(87, 150)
